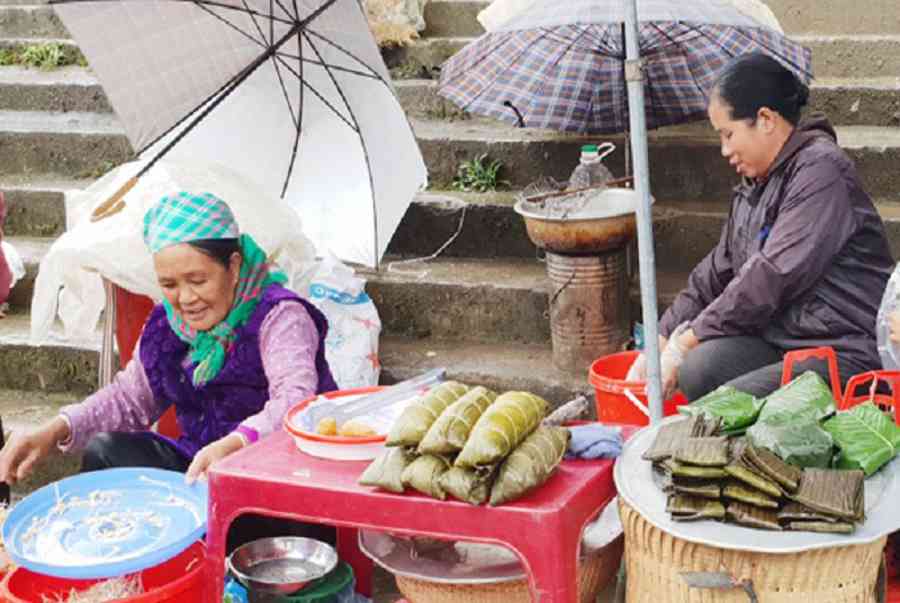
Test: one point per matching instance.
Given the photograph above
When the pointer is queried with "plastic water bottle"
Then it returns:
(590, 171)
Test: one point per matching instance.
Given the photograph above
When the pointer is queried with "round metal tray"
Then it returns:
(637, 486)
(448, 564)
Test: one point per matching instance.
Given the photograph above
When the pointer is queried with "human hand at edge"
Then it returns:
(638, 370)
(211, 453)
(24, 450)
(894, 323)
(680, 344)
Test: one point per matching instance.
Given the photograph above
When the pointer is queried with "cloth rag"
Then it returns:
(595, 441)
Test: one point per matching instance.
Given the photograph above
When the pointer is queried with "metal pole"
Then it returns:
(646, 261)
(108, 352)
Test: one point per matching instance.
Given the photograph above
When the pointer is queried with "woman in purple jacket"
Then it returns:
(803, 258)
(229, 346)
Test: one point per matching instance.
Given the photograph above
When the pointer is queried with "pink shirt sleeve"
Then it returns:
(126, 404)
(288, 341)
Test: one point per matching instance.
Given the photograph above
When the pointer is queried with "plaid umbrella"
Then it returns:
(560, 65)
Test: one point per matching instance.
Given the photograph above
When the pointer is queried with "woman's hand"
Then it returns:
(23, 451)
(211, 453)
(894, 323)
(682, 341)
(638, 370)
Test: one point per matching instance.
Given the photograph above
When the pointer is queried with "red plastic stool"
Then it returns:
(824, 353)
(884, 401)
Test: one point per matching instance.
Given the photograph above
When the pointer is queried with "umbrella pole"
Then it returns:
(634, 77)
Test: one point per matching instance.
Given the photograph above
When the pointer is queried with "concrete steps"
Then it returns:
(59, 367)
(488, 284)
(847, 101)
(24, 410)
(846, 56)
(32, 250)
(34, 21)
(837, 16)
(82, 145)
(685, 161)
(36, 203)
(73, 145)
(59, 90)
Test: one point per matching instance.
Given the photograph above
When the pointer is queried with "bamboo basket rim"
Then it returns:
(590, 576)
(840, 574)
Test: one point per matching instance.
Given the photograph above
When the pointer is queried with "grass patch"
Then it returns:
(98, 171)
(479, 175)
(45, 56)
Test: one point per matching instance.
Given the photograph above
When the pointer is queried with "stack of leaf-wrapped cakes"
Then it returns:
(470, 443)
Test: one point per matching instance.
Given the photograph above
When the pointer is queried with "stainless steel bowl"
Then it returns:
(281, 565)
(606, 222)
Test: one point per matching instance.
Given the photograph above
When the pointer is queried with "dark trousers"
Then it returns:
(118, 449)
(749, 364)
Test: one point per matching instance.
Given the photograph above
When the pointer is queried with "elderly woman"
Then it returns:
(230, 347)
(803, 258)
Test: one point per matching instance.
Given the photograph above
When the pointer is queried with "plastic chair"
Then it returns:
(885, 401)
(824, 353)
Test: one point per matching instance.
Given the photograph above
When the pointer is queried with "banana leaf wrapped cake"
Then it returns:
(418, 417)
(424, 474)
(386, 471)
(501, 428)
(450, 431)
(730, 479)
(530, 464)
(469, 485)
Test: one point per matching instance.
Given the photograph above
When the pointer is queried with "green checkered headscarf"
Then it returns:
(183, 218)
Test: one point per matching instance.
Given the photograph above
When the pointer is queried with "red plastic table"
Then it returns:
(273, 478)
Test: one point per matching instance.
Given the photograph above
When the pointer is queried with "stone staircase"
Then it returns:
(481, 308)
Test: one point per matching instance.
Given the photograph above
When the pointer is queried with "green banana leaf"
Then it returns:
(868, 438)
(806, 398)
(804, 444)
(788, 423)
(736, 409)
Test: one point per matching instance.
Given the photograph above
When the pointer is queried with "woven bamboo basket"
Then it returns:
(595, 572)
(654, 561)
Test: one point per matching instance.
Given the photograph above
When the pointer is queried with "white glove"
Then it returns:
(671, 360)
(638, 370)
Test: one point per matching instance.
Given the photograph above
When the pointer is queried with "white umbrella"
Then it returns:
(292, 93)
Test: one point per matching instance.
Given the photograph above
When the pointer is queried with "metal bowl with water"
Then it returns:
(586, 221)
(281, 565)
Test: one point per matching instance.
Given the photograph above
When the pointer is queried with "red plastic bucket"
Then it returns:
(178, 580)
(607, 375)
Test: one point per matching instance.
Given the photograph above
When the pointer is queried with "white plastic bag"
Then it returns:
(353, 323)
(69, 279)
